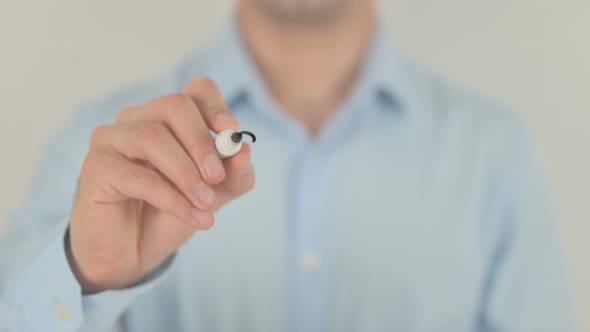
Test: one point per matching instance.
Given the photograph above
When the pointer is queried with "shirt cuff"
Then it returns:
(102, 310)
(49, 298)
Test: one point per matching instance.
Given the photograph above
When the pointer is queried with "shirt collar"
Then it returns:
(382, 78)
(231, 67)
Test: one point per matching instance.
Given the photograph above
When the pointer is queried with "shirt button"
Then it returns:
(62, 313)
(309, 261)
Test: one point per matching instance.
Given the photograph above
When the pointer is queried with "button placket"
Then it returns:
(309, 260)
(62, 313)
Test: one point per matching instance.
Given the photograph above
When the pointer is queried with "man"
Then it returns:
(386, 198)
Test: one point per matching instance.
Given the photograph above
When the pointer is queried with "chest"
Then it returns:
(374, 239)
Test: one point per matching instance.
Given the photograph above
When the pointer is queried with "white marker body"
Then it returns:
(224, 144)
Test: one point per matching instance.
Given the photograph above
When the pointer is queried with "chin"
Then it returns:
(304, 10)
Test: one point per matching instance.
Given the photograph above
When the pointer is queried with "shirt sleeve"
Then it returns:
(38, 291)
(529, 286)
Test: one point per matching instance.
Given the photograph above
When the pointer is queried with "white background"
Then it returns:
(534, 54)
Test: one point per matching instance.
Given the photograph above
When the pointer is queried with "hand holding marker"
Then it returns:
(150, 180)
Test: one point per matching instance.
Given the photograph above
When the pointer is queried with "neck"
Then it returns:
(309, 68)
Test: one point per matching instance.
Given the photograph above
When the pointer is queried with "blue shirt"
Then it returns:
(422, 206)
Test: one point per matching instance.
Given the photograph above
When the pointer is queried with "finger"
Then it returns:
(153, 142)
(240, 177)
(210, 102)
(134, 181)
(179, 113)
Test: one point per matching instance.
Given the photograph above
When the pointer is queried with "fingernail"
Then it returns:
(203, 218)
(205, 194)
(213, 167)
(225, 120)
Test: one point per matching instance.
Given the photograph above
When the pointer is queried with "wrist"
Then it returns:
(92, 279)
(98, 277)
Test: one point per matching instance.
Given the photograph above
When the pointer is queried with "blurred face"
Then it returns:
(302, 11)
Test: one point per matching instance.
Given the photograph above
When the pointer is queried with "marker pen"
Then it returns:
(229, 142)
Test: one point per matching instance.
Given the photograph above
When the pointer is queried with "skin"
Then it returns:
(309, 67)
(153, 178)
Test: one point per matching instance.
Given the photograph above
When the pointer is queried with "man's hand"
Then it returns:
(149, 181)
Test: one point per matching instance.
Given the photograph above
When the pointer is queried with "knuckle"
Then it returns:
(125, 114)
(176, 101)
(147, 179)
(129, 176)
(98, 135)
(151, 132)
(92, 161)
(92, 158)
(214, 108)
(204, 85)
(188, 173)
